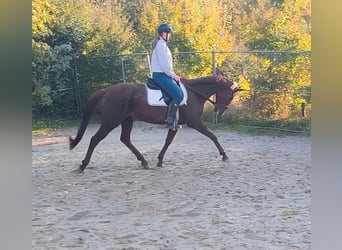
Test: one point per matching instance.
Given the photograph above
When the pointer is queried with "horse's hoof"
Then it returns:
(224, 157)
(82, 167)
(159, 164)
(77, 171)
(144, 164)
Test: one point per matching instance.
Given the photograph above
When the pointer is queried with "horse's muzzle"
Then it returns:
(219, 111)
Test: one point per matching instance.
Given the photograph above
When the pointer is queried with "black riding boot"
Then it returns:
(172, 119)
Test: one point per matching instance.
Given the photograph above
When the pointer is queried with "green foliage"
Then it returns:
(41, 126)
(90, 42)
(197, 26)
(51, 75)
(42, 17)
(41, 95)
(279, 82)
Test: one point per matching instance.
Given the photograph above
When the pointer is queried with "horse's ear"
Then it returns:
(219, 74)
(219, 77)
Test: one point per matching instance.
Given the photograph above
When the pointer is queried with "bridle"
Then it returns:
(215, 104)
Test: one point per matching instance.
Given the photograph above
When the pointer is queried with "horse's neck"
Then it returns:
(206, 86)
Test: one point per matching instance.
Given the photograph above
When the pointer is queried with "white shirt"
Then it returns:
(162, 59)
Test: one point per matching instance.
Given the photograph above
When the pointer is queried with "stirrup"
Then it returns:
(173, 126)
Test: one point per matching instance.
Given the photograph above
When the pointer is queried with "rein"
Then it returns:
(205, 98)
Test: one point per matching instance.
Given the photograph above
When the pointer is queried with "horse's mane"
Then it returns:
(199, 80)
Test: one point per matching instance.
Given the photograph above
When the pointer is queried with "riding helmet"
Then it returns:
(164, 27)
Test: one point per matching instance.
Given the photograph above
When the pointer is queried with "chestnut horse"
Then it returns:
(123, 103)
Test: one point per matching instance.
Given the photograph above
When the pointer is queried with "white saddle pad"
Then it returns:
(154, 96)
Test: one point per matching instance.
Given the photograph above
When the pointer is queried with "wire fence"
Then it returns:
(271, 76)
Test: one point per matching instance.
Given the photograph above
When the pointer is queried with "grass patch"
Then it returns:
(259, 129)
(43, 126)
(269, 131)
(254, 126)
(275, 128)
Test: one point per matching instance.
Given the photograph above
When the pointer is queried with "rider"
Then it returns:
(163, 74)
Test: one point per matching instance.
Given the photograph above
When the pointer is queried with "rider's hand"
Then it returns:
(177, 78)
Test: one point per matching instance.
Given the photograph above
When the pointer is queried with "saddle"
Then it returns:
(156, 96)
(151, 84)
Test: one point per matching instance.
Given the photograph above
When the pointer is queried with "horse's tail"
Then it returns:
(88, 110)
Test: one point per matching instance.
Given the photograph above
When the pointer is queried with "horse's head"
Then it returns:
(225, 94)
(207, 86)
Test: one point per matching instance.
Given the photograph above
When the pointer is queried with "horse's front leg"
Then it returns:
(169, 138)
(125, 138)
(199, 126)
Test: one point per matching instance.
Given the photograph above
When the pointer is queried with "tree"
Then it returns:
(197, 26)
(265, 25)
(63, 30)
(90, 40)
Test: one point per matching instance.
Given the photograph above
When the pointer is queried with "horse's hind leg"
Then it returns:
(99, 136)
(169, 138)
(126, 128)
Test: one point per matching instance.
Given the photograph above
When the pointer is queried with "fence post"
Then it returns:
(149, 63)
(123, 70)
(213, 53)
(213, 62)
(214, 68)
(77, 89)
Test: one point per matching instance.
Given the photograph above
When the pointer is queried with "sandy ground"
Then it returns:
(259, 199)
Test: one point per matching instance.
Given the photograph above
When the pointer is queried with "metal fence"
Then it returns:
(258, 67)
